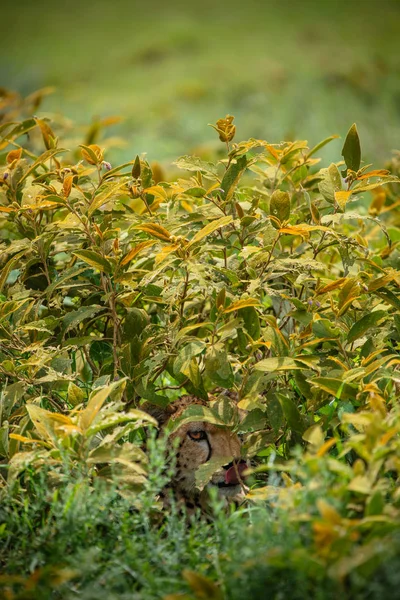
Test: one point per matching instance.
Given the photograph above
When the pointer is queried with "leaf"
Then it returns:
(279, 207)
(331, 183)
(40, 161)
(193, 163)
(277, 363)
(194, 414)
(196, 192)
(321, 145)
(93, 154)
(135, 251)
(13, 155)
(342, 198)
(205, 471)
(138, 417)
(242, 304)
(76, 395)
(155, 230)
(336, 387)
(360, 327)
(104, 196)
(210, 228)
(366, 187)
(75, 317)
(68, 274)
(94, 259)
(189, 328)
(96, 401)
(202, 587)
(351, 150)
(329, 287)
(251, 322)
(292, 415)
(232, 176)
(5, 271)
(217, 366)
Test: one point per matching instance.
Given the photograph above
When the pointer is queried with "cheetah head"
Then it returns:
(199, 443)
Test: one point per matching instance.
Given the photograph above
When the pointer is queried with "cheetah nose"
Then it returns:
(234, 472)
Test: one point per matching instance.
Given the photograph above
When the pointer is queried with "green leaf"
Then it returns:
(94, 259)
(217, 366)
(292, 415)
(251, 322)
(232, 176)
(76, 317)
(336, 387)
(194, 414)
(8, 267)
(351, 150)
(135, 321)
(279, 206)
(193, 163)
(331, 183)
(106, 192)
(321, 145)
(76, 395)
(196, 192)
(210, 228)
(365, 323)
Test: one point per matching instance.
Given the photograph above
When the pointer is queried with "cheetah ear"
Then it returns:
(160, 413)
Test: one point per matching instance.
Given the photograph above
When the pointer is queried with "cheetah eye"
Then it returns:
(197, 435)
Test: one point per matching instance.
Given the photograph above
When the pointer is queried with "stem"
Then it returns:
(115, 334)
(270, 254)
(184, 292)
(143, 197)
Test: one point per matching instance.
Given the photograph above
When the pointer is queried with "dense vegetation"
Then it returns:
(260, 273)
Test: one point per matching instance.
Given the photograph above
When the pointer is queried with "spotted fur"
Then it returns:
(215, 443)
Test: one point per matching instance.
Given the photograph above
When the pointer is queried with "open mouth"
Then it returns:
(222, 484)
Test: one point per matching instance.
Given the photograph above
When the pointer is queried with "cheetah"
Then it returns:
(199, 443)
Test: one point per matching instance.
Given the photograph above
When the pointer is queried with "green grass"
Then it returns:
(88, 542)
(170, 68)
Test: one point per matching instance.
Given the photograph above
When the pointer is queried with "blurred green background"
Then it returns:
(285, 69)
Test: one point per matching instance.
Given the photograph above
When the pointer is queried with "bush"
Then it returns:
(257, 273)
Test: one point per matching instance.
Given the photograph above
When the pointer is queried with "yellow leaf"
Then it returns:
(104, 197)
(210, 228)
(67, 185)
(96, 401)
(26, 440)
(158, 192)
(202, 586)
(376, 173)
(332, 286)
(93, 154)
(13, 155)
(326, 446)
(135, 251)
(166, 251)
(155, 230)
(244, 303)
(342, 198)
(186, 205)
(328, 513)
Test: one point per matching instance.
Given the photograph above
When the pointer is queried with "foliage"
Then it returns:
(260, 274)
(315, 542)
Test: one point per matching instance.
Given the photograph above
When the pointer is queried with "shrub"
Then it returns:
(258, 273)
